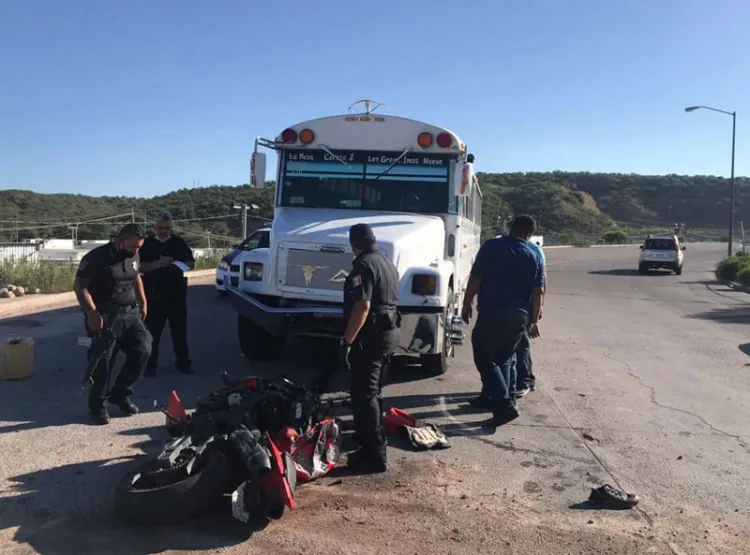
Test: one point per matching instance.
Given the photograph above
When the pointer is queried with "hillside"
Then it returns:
(564, 202)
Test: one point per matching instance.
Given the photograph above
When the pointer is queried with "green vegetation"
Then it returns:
(735, 268)
(210, 261)
(743, 276)
(589, 204)
(574, 208)
(49, 277)
(207, 209)
(615, 237)
(57, 277)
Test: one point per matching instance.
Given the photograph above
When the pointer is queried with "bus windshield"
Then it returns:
(356, 180)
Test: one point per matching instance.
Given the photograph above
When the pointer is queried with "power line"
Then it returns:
(108, 221)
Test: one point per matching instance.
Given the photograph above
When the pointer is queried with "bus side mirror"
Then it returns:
(463, 176)
(258, 170)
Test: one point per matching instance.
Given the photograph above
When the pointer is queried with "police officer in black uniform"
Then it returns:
(372, 330)
(110, 291)
(166, 289)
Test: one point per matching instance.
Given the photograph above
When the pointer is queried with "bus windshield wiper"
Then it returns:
(389, 168)
(337, 158)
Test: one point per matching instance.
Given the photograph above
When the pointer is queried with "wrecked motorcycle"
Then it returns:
(253, 438)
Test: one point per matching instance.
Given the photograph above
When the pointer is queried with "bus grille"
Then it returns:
(317, 270)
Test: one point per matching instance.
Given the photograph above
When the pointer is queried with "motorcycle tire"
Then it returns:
(176, 502)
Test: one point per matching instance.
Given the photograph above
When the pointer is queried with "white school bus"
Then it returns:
(412, 182)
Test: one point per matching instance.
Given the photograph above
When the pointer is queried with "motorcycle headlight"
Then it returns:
(253, 271)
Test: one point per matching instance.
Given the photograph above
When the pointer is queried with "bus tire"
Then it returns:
(256, 343)
(437, 364)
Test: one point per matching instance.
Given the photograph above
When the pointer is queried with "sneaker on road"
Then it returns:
(522, 392)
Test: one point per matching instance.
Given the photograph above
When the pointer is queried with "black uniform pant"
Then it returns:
(368, 360)
(133, 339)
(168, 304)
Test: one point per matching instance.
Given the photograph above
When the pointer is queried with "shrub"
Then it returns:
(615, 237)
(49, 277)
(743, 276)
(729, 268)
(210, 260)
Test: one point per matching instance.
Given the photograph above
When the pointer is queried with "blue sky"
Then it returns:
(147, 96)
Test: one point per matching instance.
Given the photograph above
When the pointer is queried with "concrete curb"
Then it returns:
(33, 304)
(734, 285)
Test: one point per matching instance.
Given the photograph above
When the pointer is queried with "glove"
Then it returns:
(344, 350)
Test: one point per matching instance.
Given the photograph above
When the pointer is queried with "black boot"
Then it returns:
(363, 462)
(184, 366)
(126, 406)
(482, 401)
(99, 416)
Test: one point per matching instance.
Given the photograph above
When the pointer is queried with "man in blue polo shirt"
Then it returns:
(525, 379)
(509, 277)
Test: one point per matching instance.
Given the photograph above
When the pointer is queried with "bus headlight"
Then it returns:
(424, 284)
(253, 271)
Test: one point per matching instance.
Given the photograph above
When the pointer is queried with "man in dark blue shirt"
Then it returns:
(509, 277)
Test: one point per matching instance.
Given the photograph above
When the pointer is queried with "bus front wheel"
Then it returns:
(437, 364)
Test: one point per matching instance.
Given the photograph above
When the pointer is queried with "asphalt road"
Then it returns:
(643, 383)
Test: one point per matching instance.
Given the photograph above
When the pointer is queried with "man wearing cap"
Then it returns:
(371, 335)
(110, 291)
(166, 288)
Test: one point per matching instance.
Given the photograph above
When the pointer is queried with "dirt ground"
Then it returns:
(440, 509)
(605, 411)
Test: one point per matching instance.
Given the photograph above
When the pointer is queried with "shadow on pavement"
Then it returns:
(738, 315)
(629, 272)
(52, 396)
(68, 511)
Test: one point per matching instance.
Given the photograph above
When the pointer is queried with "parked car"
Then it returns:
(259, 239)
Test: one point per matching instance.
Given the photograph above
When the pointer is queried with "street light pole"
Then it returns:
(731, 178)
(731, 185)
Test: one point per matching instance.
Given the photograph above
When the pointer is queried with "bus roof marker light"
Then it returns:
(444, 140)
(425, 140)
(306, 136)
(288, 136)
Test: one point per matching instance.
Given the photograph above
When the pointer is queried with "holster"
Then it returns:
(386, 320)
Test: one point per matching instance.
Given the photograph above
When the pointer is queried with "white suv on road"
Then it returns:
(661, 251)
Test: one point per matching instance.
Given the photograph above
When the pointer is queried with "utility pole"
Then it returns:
(132, 214)
(208, 234)
(244, 207)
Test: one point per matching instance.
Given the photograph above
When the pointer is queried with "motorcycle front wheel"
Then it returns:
(149, 495)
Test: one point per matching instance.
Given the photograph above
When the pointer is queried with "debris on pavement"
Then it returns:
(609, 497)
(589, 437)
(421, 436)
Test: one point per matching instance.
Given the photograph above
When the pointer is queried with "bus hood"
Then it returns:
(407, 239)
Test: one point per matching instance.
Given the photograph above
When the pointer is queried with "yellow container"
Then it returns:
(17, 358)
